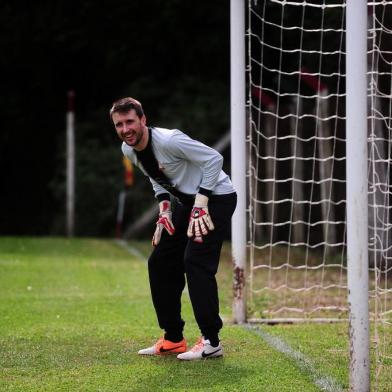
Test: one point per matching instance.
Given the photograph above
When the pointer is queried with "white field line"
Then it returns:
(132, 250)
(325, 383)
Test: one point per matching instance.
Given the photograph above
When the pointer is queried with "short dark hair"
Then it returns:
(124, 105)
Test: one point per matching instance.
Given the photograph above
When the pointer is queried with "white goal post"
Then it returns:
(318, 182)
(356, 205)
(238, 149)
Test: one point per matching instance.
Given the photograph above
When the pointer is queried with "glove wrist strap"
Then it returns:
(164, 207)
(201, 201)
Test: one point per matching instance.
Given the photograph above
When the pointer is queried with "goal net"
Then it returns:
(297, 165)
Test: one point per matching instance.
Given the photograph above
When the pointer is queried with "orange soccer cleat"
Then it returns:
(164, 346)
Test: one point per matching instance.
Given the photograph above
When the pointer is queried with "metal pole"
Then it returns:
(238, 156)
(357, 202)
(70, 202)
(120, 213)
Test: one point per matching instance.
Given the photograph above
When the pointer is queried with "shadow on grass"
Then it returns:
(111, 364)
(169, 373)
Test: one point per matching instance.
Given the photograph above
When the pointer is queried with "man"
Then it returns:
(188, 237)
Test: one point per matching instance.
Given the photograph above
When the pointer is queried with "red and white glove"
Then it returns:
(164, 222)
(200, 222)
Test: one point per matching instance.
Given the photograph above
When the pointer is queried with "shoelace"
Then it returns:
(198, 345)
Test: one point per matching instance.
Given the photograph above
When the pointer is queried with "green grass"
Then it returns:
(75, 312)
(325, 344)
(328, 346)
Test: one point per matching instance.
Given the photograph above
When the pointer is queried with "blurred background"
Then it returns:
(171, 55)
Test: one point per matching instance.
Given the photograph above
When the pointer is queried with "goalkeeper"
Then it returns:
(196, 202)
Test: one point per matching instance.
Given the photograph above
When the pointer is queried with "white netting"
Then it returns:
(297, 168)
(297, 162)
(379, 174)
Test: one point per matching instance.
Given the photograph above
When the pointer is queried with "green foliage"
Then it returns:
(172, 58)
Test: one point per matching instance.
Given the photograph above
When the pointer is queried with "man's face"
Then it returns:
(129, 127)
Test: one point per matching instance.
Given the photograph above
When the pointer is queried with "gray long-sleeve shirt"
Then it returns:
(188, 163)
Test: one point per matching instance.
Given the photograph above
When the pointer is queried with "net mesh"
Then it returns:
(296, 159)
(379, 175)
(296, 163)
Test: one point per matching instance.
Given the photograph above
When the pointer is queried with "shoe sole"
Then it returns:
(164, 353)
(200, 358)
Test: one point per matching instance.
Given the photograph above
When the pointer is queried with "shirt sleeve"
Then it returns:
(159, 191)
(206, 158)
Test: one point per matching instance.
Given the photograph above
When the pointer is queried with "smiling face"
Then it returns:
(131, 129)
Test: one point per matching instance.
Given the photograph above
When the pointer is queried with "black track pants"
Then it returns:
(177, 255)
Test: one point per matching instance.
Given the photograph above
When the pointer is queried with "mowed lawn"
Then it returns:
(75, 312)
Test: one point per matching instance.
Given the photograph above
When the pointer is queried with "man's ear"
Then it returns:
(143, 120)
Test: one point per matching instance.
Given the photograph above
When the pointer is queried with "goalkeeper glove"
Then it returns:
(164, 222)
(200, 222)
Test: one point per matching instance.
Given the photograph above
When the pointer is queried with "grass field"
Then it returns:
(75, 312)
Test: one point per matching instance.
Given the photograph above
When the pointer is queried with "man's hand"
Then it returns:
(164, 222)
(200, 222)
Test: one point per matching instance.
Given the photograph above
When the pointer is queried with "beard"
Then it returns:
(135, 140)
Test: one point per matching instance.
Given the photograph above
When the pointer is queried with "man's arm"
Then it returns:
(159, 191)
(208, 159)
